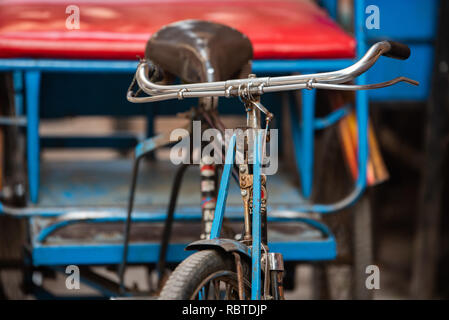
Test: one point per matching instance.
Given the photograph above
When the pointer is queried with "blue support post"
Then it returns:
(307, 141)
(223, 191)
(32, 82)
(18, 91)
(362, 102)
(257, 230)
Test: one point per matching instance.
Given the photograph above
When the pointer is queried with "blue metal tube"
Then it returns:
(362, 103)
(111, 253)
(223, 191)
(307, 141)
(92, 66)
(32, 81)
(256, 223)
(18, 92)
(332, 118)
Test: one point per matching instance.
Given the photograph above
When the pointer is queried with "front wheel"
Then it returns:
(206, 275)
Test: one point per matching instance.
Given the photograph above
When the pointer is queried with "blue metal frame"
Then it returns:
(32, 82)
(51, 254)
(223, 191)
(33, 68)
(143, 253)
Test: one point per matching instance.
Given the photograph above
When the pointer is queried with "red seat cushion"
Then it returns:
(278, 29)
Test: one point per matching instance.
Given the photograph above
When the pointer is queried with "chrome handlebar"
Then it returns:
(258, 86)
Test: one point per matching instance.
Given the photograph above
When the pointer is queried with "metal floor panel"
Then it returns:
(106, 183)
(89, 184)
(183, 232)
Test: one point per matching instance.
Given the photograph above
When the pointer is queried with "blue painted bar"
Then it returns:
(256, 286)
(103, 254)
(362, 103)
(93, 66)
(18, 91)
(32, 82)
(331, 119)
(307, 141)
(323, 250)
(68, 65)
(223, 191)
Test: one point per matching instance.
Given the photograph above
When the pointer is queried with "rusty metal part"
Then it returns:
(245, 192)
(277, 285)
(238, 266)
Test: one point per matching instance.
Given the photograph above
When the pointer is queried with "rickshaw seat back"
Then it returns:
(199, 51)
(278, 29)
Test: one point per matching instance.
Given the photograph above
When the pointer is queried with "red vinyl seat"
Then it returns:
(119, 29)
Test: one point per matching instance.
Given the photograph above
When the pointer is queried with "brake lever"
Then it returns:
(354, 87)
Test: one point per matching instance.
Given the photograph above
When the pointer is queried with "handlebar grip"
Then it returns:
(397, 50)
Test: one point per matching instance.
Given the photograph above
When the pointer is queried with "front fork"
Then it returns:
(253, 190)
(272, 263)
(246, 190)
(250, 181)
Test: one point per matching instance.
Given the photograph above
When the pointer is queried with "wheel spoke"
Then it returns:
(225, 286)
(228, 291)
(217, 289)
(206, 291)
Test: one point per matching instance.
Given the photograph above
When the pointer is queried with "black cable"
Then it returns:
(128, 226)
(166, 235)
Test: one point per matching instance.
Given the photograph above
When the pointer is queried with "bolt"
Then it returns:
(242, 169)
(244, 193)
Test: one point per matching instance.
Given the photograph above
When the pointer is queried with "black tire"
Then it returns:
(345, 277)
(190, 274)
